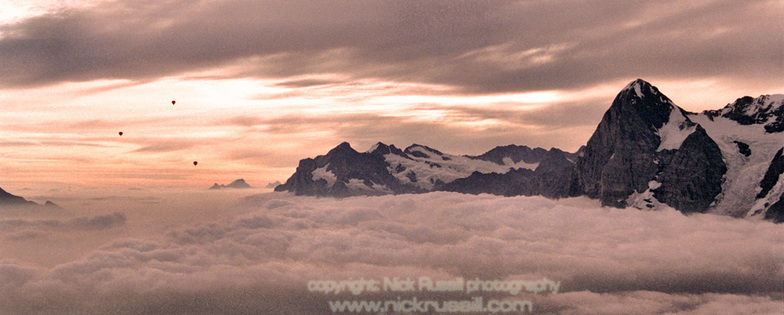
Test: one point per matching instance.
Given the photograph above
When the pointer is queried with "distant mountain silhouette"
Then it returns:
(239, 183)
(9, 200)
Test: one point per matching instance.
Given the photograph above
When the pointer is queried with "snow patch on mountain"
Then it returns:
(521, 164)
(645, 200)
(677, 129)
(373, 147)
(425, 167)
(323, 173)
(761, 105)
(635, 85)
(374, 188)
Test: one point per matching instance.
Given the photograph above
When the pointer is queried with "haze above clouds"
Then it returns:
(263, 84)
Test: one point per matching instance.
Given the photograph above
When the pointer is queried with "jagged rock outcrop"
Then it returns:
(236, 184)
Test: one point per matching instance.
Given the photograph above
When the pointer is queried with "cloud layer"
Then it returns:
(260, 259)
(472, 46)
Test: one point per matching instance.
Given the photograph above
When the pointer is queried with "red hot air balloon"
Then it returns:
(173, 101)
(195, 162)
(121, 133)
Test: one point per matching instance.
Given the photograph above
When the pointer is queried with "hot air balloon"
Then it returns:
(195, 162)
(120, 133)
(173, 101)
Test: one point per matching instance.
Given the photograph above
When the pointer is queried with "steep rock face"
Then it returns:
(692, 178)
(772, 175)
(550, 178)
(513, 183)
(768, 191)
(776, 211)
(619, 156)
(644, 142)
(554, 173)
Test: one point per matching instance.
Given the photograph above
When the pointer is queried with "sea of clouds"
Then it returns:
(219, 253)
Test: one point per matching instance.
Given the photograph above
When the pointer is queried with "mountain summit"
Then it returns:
(645, 144)
(646, 153)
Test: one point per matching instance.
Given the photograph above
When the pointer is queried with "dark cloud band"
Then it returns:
(475, 46)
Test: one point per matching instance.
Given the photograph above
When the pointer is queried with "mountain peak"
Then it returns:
(765, 109)
(382, 149)
(422, 151)
(342, 148)
(640, 98)
(637, 86)
(344, 145)
(641, 89)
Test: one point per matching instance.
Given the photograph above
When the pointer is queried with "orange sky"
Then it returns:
(260, 86)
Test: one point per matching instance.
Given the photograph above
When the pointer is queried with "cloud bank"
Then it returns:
(470, 46)
(260, 258)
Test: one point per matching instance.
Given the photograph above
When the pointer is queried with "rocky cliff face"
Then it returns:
(770, 188)
(645, 142)
(550, 177)
(645, 153)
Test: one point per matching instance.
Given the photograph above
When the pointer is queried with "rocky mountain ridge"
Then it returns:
(646, 152)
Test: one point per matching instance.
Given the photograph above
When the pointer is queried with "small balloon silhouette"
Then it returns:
(173, 102)
(195, 162)
(121, 133)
